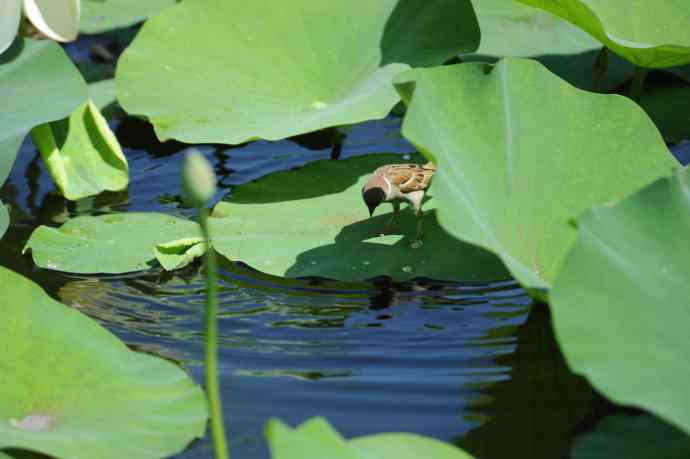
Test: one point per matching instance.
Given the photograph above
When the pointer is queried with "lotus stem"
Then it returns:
(637, 85)
(220, 446)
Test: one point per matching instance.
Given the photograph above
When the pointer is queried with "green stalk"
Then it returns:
(211, 345)
(637, 85)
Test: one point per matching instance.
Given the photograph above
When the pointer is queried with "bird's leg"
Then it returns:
(389, 225)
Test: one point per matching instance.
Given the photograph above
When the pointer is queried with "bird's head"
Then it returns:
(373, 194)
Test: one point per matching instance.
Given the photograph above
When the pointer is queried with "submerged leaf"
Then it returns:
(65, 378)
(101, 15)
(313, 222)
(513, 170)
(656, 36)
(316, 439)
(115, 243)
(38, 84)
(56, 19)
(632, 437)
(621, 305)
(82, 154)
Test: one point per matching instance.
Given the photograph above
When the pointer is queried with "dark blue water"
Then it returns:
(473, 364)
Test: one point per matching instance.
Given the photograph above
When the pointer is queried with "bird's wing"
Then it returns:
(409, 177)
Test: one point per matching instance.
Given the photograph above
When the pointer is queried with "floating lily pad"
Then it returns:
(648, 37)
(38, 84)
(4, 219)
(178, 254)
(632, 437)
(106, 244)
(72, 389)
(82, 154)
(100, 15)
(313, 222)
(514, 170)
(621, 305)
(316, 439)
(271, 69)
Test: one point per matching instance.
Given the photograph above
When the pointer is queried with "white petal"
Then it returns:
(57, 19)
(10, 13)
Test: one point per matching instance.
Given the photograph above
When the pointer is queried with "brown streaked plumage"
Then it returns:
(395, 183)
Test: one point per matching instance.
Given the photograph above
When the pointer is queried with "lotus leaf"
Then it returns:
(38, 84)
(4, 219)
(647, 36)
(115, 243)
(72, 389)
(621, 305)
(101, 15)
(82, 154)
(513, 170)
(10, 16)
(229, 71)
(316, 439)
(632, 437)
(313, 222)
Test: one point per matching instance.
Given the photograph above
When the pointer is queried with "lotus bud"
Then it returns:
(198, 179)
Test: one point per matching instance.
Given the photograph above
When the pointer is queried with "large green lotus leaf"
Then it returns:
(430, 32)
(230, 71)
(632, 437)
(621, 304)
(514, 169)
(4, 219)
(316, 439)
(510, 28)
(72, 389)
(646, 35)
(10, 16)
(82, 154)
(100, 15)
(115, 243)
(313, 222)
(38, 84)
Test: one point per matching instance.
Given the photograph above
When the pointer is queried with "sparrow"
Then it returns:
(396, 183)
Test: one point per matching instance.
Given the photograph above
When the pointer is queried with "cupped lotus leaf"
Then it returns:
(313, 222)
(10, 15)
(56, 19)
(316, 439)
(100, 15)
(510, 28)
(178, 254)
(632, 437)
(82, 154)
(110, 244)
(270, 69)
(4, 219)
(430, 32)
(72, 389)
(512, 169)
(621, 308)
(38, 84)
(647, 36)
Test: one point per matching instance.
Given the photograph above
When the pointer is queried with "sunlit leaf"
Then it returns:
(38, 84)
(100, 15)
(647, 36)
(82, 154)
(274, 69)
(632, 437)
(316, 439)
(106, 244)
(313, 222)
(513, 170)
(621, 305)
(57, 19)
(72, 389)
(179, 253)
(10, 14)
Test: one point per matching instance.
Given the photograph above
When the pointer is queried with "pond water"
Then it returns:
(473, 364)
